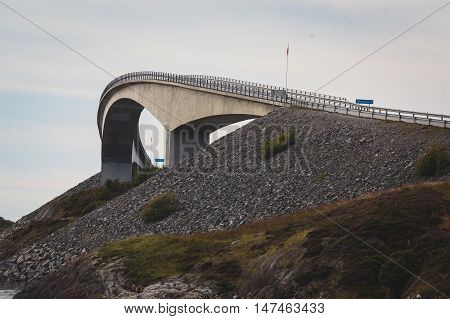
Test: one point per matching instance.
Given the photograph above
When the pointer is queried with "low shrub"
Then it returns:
(84, 202)
(142, 175)
(113, 188)
(160, 207)
(67, 202)
(279, 144)
(434, 162)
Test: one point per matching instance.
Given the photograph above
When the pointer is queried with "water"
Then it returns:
(7, 294)
(8, 290)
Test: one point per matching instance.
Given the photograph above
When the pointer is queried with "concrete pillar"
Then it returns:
(121, 171)
(169, 148)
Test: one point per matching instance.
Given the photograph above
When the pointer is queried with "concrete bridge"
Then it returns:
(190, 107)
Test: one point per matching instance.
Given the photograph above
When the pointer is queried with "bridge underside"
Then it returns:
(189, 138)
(122, 147)
(188, 116)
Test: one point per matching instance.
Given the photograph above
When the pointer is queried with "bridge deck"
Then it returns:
(289, 97)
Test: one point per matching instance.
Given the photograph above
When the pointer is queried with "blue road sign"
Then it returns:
(362, 101)
(159, 160)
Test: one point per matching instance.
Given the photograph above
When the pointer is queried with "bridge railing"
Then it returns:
(258, 85)
(222, 84)
(281, 96)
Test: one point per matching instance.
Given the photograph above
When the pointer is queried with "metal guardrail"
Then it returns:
(281, 96)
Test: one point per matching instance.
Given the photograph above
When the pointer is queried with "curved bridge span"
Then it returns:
(190, 107)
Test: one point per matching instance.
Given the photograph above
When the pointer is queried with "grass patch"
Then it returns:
(30, 233)
(152, 258)
(434, 162)
(141, 175)
(82, 203)
(279, 144)
(322, 177)
(160, 207)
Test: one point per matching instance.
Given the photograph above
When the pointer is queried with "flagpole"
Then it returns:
(287, 66)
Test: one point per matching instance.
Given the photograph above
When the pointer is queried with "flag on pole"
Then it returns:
(287, 65)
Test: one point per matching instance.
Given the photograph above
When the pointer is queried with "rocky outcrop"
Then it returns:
(20, 257)
(375, 246)
(181, 287)
(36, 262)
(77, 279)
(229, 183)
(4, 224)
(88, 277)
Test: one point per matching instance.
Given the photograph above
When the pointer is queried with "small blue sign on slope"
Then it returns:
(159, 160)
(363, 101)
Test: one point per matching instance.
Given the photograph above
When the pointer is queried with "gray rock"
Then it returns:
(229, 183)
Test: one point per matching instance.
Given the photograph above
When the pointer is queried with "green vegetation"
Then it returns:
(434, 162)
(141, 175)
(82, 203)
(279, 144)
(160, 207)
(410, 225)
(32, 232)
(149, 256)
(321, 177)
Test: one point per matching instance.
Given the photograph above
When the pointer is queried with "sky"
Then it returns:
(49, 95)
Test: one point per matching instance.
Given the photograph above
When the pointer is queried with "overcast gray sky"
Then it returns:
(49, 95)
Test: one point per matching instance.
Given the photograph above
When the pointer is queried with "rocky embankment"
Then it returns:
(340, 250)
(229, 183)
(48, 210)
(35, 261)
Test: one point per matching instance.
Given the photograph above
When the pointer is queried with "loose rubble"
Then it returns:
(335, 157)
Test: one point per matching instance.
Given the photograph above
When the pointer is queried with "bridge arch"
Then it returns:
(121, 143)
(188, 115)
(190, 137)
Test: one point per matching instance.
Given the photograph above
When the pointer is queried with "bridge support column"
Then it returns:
(116, 171)
(121, 144)
(168, 160)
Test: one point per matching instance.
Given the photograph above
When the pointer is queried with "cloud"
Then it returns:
(243, 39)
